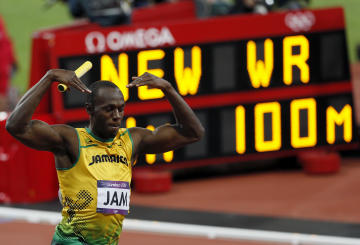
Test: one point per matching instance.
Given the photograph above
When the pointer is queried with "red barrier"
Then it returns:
(26, 175)
(319, 162)
(148, 181)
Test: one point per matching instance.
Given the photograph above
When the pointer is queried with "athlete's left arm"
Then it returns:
(187, 128)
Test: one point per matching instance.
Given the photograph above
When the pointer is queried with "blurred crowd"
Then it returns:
(115, 12)
(107, 12)
(207, 8)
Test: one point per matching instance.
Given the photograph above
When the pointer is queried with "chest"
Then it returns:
(106, 161)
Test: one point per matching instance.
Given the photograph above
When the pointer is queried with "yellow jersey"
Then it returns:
(95, 191)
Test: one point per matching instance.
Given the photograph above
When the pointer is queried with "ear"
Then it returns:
(89, 108)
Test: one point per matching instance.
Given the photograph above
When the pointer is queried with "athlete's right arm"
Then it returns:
(34, 133)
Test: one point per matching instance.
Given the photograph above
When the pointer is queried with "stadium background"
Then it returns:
(24, 17)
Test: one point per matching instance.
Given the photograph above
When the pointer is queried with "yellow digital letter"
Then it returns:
(130, 122)
(144, 57)
(150, 158)
(298, 141)
(168, 156)
(342, 118)
(187, 79)
(262, 145)
(240, 137)
(260, 71)
(120, 77)
(299, 60)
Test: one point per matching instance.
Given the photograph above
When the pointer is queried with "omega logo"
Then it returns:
(98, 42)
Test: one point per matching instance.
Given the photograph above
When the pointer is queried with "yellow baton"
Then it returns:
(80, 71)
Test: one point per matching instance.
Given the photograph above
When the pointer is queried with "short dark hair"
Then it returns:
(94, 87)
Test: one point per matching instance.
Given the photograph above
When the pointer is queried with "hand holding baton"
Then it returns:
(80, 71)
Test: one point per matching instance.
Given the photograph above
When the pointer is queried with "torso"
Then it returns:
(96, 189)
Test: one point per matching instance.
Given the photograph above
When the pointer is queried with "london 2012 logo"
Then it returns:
(98, 42)
(300, 21)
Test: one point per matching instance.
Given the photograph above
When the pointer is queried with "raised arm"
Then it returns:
(187, 129)
(34, 133)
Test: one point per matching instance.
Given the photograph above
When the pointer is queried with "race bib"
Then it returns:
(113, 197)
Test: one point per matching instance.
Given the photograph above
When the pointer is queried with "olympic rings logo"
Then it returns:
(300, 21)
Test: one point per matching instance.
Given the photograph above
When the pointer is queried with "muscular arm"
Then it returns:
(167, 137)
(34, 133)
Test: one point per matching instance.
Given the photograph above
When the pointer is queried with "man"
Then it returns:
(94, 164)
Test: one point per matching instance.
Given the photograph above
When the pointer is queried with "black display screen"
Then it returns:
(253, 96)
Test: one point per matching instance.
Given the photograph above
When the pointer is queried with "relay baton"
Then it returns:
(85, 67)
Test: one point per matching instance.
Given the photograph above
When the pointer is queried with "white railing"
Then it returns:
(210, 232)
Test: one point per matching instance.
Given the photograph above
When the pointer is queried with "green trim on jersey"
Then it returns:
(86, 146)
(132, 144)
(97, 137)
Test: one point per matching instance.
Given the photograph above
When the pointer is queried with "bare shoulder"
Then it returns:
(66, 132)
(137, 134)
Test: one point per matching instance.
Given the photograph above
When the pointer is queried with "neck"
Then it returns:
(99, 136)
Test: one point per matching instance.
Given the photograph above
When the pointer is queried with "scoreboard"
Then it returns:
(262, 85)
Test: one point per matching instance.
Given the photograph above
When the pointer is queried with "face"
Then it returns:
(107, 112)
